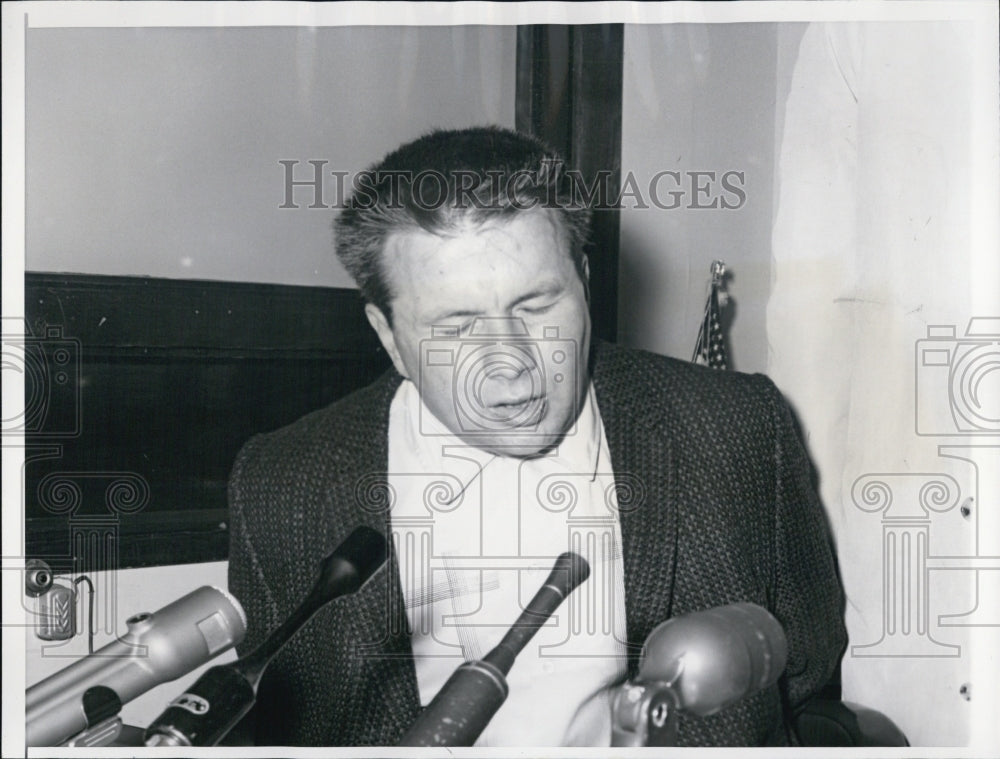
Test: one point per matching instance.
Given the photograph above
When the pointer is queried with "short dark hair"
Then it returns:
(478, 174)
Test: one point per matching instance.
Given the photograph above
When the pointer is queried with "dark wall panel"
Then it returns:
(140, 392)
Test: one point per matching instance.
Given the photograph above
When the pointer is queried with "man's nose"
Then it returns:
(510, 362)
(501, 389)
(511, 378)
(506, 371)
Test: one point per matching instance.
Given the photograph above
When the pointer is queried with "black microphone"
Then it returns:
(211, 707)
(466, 703)
(698, 663)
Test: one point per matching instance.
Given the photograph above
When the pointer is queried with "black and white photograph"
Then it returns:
(501, 379)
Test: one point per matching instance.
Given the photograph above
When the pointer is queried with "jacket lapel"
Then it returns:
(381, 639)
(643, 459)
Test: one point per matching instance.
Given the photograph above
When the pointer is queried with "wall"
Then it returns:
(699, 98)
(154, 151)
(885, 251)
(869, 234)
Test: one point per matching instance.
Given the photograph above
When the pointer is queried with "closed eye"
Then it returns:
(539, 309)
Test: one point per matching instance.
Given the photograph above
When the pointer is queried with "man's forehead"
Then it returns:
(417, 244)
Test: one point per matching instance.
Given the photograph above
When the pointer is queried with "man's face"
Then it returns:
(492, 325)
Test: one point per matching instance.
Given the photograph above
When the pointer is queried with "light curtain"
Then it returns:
(885, 232)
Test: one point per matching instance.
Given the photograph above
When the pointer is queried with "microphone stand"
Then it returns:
(645, 713)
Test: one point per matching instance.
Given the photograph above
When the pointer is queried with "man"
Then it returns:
(502, 438)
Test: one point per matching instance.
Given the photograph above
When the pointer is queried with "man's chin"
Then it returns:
(522, 436)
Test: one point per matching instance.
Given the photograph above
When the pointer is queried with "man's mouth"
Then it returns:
(523, 412)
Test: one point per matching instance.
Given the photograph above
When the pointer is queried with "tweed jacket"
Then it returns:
(716, 506)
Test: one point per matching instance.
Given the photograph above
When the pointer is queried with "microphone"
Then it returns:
(719, 655)
(158, 647)
(211, 707)
(466, 703)
(700, 663)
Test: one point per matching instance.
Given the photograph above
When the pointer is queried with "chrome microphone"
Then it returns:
(699, 663)
(158, 647)
(466, 703)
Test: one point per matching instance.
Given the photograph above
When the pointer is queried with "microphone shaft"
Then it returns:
(342, 572)
(524, 629)
(211, 707)
(466, 703)
(462, 709)
(570, 570)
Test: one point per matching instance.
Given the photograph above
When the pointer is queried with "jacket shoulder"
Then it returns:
(351, 430)
(655, 389)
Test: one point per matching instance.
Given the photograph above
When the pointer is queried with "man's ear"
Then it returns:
(381, 326)
(586, 278)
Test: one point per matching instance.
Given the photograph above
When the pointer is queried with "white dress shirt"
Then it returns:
(477, 535)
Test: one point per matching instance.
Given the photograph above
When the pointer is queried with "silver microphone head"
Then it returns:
(158, 647)
(717, 656)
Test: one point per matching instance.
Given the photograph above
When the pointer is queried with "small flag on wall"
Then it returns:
(710, 350)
